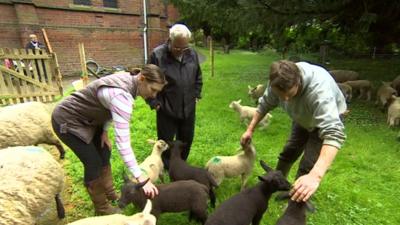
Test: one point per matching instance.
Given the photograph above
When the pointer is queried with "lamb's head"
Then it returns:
(159, 146)
(274, 178)
(249, 148)
(235, 104)
(251, 90)
(176, 147)
(393, 99)
(128, 191)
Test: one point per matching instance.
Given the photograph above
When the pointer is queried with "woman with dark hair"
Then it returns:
(81, 121)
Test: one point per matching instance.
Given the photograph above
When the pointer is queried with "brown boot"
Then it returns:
(101, 205)
(108, 183)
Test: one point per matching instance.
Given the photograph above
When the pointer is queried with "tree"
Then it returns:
(364, 22)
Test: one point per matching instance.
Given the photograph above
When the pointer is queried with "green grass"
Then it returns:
(360, 187)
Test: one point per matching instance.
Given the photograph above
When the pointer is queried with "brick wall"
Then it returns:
(111, 36)
(9, 30)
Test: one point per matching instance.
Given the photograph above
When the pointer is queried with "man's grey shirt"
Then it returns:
(318, 105)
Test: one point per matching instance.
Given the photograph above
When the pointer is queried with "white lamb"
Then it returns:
(31, 179)
(256, 92)
(230, 166)
(27, 124)
(142, 218)
(153, 166)
(384, 94)
(393, 118)
(246, 113)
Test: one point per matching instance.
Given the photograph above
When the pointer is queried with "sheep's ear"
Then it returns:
(239, 101)
(249, 87)
(265, 166)
(261, 178)
(151, 141)
(147, 208)
(140, 185)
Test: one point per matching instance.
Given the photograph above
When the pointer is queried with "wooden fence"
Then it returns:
(28, 76)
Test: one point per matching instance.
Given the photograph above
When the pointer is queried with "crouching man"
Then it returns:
(314, 102)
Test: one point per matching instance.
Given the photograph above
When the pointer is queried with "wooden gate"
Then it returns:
(28, 76)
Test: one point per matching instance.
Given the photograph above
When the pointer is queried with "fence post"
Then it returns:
(84, 75)
(58, 75)
(211, 55)
(374, 53)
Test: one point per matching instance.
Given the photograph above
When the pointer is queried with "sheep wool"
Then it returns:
(27, 124)
(30, 179)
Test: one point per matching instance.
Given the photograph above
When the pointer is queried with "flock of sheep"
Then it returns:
(32, 179)
(386, 95)
(350, 84)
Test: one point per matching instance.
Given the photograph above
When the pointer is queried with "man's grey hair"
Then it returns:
(179, 30)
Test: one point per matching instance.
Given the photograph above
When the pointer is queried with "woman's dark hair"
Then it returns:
(284, 75)
(153, 74)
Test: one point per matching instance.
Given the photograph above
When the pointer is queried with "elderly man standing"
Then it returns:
(176, 103)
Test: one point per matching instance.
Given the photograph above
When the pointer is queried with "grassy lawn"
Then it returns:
(360, 188)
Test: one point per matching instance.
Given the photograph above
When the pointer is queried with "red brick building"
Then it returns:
(112, 30)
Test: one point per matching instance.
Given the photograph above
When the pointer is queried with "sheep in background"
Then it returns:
(347, 91)
(31, 179)
(250, 204)
(341, 76)
(231, 166)
(27, 124)
(153, 166)
(384, 94)
(393, 118)
(142, 218)
(364, 87)
(179, 196)
(256, 92)
(247, 113)
(396, 84)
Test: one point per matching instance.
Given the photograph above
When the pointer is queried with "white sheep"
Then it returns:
(341, 76)
(364, 87)
(153, 166)
(27, 124)
(247, 113)
(230, 166)
(256, 92)
(384, 94)
(396, 84)
(346, 90)
(142, 218)
(393, 118)
(30, 181)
